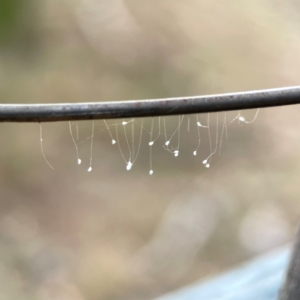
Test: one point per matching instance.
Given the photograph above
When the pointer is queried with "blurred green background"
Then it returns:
(114, 234)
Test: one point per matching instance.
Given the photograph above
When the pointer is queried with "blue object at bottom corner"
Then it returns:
(259, 279)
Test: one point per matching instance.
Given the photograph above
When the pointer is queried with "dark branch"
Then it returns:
(291, 287)
(149, 108)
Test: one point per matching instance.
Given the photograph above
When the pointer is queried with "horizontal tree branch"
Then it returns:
(149, 108)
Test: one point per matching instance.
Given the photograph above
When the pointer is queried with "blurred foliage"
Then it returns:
(17, 24)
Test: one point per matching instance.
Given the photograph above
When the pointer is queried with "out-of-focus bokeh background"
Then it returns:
(118, 234)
